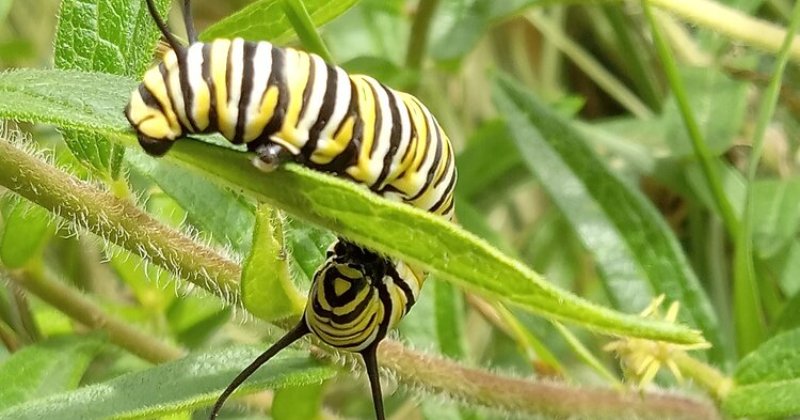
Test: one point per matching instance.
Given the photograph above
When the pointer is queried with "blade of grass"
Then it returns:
(749, 312)
(304, 27)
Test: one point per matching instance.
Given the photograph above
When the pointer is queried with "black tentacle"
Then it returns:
(370, 356)
(293, 335)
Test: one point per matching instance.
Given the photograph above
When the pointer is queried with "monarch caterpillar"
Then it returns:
(288, 105)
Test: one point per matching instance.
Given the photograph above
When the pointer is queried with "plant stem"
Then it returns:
(418, 42)
(548, 399)
(121, 222)
(590, 66)
(701, 150)
(117, 221)
(731, 23)
(707, 376)
(79, 307)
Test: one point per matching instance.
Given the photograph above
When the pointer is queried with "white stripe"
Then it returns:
(316, 99)
(383, 137)
(235, 88)
(174, 87)
(342, 99)
(194, 64)
(262, 63)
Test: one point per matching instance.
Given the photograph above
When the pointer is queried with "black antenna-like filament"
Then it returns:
(370, 356)
(293, 335)
(188, 22)
(162, 26)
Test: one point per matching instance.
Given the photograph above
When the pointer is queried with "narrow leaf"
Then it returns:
(297, 402)
(636, 252)
(191, 382)
(45, 368)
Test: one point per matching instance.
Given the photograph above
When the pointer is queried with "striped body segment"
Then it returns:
(357, 296)
(260, 95)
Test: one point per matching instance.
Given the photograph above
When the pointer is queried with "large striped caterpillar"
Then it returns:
(288, 105)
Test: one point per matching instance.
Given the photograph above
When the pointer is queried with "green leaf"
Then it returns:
(153, 288)
(45, 368)
(719, 105)
(768, 380)
(109, 36)
(297, 403)
(461, 24)
(27, 229)
(776, 214)
(636, 252)
(265, 20)
(487, 160)
(219, 211)
(350, 210)
(267, 288)
(194, 381)
(195, 318)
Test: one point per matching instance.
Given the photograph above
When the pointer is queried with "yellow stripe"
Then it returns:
(326, 152)
(265, 113)
(219, 64)
(366, 108)
(155, 84)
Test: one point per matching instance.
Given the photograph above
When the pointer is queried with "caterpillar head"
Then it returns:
(154, 130)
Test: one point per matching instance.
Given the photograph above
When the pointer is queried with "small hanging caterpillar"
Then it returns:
(288, 105)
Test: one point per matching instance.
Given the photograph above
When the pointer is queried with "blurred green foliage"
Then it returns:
(574, 157)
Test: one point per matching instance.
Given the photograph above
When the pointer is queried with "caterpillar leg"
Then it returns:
(269, 156)
(293, 335)
(370, 356)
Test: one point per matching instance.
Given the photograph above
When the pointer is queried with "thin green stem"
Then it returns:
(747, 293)
(701, 150)
(79, 307)
(707, 376)
(304, 27)
(418, 42)
(731, 23)
(590, 65)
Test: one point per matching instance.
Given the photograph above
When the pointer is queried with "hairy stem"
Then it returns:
(79, 307)
(121, 222)
(418, 42)
(117, 221)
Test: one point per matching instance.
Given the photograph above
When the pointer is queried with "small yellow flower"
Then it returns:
(642, 358)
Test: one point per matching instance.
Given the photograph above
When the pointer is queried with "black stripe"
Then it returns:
(316, 306)
(448, 191)
(308, 89)
(448, 167)
(277, 78)
(328, 286)
(394, 136)
(213, 123)
(186, 89)
(248, 69)
(325, 113)
(386, 299)
(404, 287)
(149, 99)
(432, 169)
(349, 156)
(413, 139)
(162, 69)
(378, 119)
